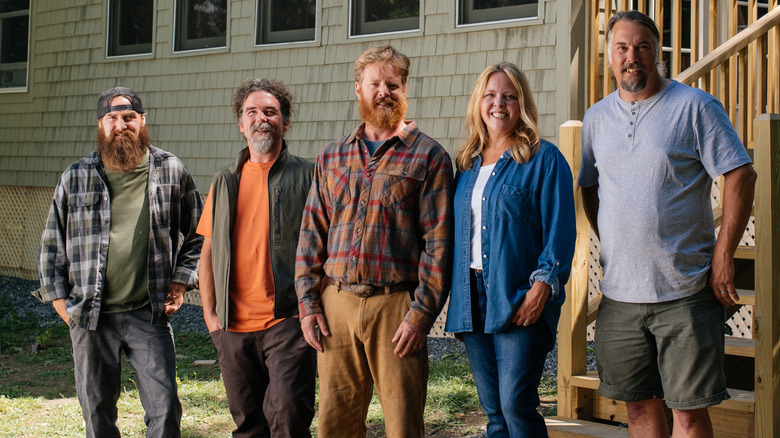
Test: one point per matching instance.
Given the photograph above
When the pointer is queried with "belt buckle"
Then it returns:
(363, 290)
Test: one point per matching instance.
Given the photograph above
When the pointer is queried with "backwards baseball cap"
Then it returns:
(104, 101)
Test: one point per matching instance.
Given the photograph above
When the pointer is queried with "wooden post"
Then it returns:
(766, 312)
(574, 402)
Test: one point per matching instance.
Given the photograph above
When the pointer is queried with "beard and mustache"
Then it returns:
(383, 117)
(123, 154)
(636, 83)
(263, 143)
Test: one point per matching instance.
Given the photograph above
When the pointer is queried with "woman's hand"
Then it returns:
(531, 307)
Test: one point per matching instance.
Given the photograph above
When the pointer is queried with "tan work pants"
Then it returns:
(358, 354)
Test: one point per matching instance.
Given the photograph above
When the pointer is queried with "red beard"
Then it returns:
(122, 154)
(383, 118)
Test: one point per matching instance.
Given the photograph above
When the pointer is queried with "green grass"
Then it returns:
(37, 392)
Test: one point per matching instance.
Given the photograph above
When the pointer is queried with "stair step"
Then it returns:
(745, 252)
(747, 297)
(740, 347)
(559, 427)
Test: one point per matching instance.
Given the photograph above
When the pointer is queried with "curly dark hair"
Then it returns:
(274, 87)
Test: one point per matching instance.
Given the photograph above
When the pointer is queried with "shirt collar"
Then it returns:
(407, 136)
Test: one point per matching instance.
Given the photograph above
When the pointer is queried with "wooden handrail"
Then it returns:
(730, 47)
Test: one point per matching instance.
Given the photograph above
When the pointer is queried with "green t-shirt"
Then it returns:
(127, 274)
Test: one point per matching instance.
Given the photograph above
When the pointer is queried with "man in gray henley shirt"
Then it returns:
(650, 152)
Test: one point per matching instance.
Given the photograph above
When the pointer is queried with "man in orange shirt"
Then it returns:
(251, 223)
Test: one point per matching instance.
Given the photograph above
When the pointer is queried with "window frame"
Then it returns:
(11, 66)
(467, 16)
(181, 44)
(359, 28)
(113, 47)
(264, 36)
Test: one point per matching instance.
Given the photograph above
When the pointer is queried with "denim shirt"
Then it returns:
(528, 235)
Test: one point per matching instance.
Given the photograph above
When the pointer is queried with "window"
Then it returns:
(379, 16)
(484, 11)
(200, 24)
(284, 21)
(130, 26)
(14, 37)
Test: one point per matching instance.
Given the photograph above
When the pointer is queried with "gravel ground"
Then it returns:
(16, 293)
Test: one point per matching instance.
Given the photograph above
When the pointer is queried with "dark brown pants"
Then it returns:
(269, 380)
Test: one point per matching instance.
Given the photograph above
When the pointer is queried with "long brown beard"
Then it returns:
(123, 154)
(383, 118)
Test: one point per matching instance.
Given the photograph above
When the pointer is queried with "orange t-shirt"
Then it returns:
(251, 278)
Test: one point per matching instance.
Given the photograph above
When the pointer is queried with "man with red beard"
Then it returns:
(251, 224)
(377, 226)
(112, 267)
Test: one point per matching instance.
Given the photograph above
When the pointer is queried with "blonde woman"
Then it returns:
(514, 241)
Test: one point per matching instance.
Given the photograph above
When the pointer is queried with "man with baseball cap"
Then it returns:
(112, 265)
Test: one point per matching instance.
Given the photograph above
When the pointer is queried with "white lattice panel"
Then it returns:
(24, 211)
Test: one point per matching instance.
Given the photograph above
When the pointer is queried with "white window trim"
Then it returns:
(26, 86)
(317, 14)
(148, 54)
(351, 14)
(175, 29)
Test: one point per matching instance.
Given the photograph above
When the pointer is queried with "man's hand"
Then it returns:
(737, 194)
(409, 339)
(531, 307)
(722, 279)
(59, 306)
(310, 325)
(212, 321)
(175, 298)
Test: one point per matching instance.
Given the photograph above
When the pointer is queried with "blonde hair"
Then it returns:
(525, 142)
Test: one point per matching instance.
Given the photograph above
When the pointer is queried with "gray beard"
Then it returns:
(263, 144)
(635, 85)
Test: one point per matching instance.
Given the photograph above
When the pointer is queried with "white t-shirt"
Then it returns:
(476, 215)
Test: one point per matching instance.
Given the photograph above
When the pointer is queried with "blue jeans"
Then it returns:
(150, 349)
(507, 368)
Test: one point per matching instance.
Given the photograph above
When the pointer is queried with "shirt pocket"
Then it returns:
(513, 204)
(84, 213)
(338, 187)
(401, 185)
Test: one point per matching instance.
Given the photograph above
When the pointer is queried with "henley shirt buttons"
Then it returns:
(629, 135)
(352, 258)
(484, 199)
(484, 256)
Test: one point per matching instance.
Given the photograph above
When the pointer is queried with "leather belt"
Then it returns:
(369, 290)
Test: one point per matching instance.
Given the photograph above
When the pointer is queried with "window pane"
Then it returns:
(135, 21)
(291, 15)
(485, 11)
(14, 5)
(14, 40)
(206, 18)
(14, 35)
(380, 10)
(490, 4)
(131, 25)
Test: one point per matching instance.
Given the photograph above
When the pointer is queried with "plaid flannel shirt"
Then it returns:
(74, 245)
(380, 220)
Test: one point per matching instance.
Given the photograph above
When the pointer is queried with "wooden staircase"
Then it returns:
(744, 73)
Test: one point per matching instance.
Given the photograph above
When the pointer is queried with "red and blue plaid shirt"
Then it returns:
(379, 220)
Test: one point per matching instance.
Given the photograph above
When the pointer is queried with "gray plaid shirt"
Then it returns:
(74, 245)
